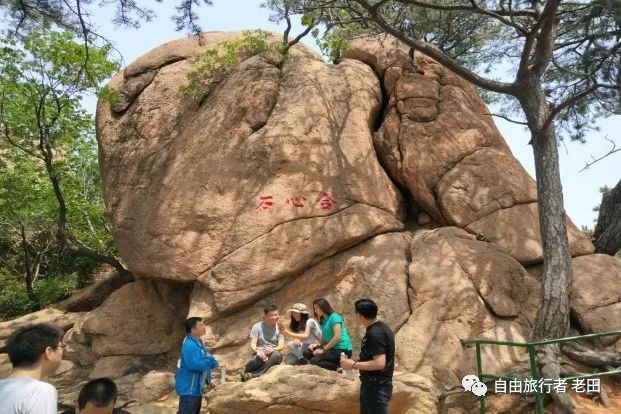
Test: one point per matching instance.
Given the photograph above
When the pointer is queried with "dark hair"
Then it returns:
(191, 323)
(324, 305)
(101, 392)
(269, 308)
(367, 308)
(299, 326)
(26, 345)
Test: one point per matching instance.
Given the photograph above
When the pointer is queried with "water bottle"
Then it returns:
(222, 375)
(343, 356)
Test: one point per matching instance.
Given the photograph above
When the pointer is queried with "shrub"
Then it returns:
(215, 64)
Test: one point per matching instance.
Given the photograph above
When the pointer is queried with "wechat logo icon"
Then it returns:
(471, 383)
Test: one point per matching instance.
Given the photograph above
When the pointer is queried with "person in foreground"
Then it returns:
(266, 342)
(335, 338)
(304, 331)
(97, 396)
(377, 360)
(35, 352)
(195, 365)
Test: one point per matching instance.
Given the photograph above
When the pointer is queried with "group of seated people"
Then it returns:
(317, 341)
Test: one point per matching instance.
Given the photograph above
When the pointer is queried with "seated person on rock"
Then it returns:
(335, 338)
(266, 342)
(97, 397)
(304, 331)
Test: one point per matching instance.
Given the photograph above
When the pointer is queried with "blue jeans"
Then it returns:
(374, 398)
(189, 405)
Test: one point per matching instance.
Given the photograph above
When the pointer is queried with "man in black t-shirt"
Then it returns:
(377, 360)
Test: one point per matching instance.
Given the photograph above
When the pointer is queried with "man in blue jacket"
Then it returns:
(194, 368)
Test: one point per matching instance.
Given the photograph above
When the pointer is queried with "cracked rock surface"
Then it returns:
(273, 172)
(463, 289)
(437, 138)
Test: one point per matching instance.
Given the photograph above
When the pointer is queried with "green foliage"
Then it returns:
(215, 64)
(333, 43)
(44, 133)
(14, 300)
(488, 37)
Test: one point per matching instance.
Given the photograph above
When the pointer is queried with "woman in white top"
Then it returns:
(303, 330)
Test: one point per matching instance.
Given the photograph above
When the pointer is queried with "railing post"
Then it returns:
(480, 375)
(535, 376)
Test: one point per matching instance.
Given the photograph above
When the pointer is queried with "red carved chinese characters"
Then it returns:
(266, 202)
(326, 202)
(296, 201)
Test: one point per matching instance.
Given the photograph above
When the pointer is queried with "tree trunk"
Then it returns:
(608, 229)
(28, 276)
(552, 319)
(27, 267)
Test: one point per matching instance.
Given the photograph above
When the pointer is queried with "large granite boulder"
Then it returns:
(463, 289)
(595, 293)
(141, 318)
(272, 172)
(64, 320)
(438, 140)
(313, 390)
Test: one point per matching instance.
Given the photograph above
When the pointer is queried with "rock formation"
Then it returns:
(294, 179)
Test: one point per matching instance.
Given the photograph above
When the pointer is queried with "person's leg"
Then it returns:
(295, 353)
(197, 405)
(330, 359)
(383, 396)
(254, 365)
(374, 398)
(291, 359)
(365, 405)
(274, 359)
(189, 405)
(307, 353)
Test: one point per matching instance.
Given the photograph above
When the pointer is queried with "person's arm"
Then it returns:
(337, 337)
(378, 346)
(301, 336)
(281, 344)
(376, 364)
(195, 361)
(253, 344)
(214, 363)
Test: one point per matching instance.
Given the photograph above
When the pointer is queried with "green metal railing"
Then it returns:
(530, 347)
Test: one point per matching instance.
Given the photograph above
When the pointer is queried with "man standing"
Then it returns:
(195, 367)
(377, 360)
(35, 352)
(266, 342)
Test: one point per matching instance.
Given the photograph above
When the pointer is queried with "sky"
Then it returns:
(580, 189)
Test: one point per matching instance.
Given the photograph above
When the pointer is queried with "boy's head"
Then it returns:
(34, 345)
(97, 397)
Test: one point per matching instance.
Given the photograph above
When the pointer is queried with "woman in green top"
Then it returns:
(335, 339)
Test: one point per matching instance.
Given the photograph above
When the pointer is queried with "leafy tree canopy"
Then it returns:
(46, 135)
(493, 42)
